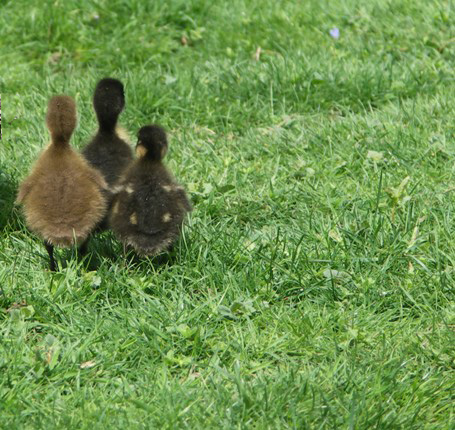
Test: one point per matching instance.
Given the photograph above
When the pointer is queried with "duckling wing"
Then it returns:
(182, 198)
(158, 210)
(133, 212)
(24, 189)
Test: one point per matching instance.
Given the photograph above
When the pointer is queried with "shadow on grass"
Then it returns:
(104, 250)
(8, 189)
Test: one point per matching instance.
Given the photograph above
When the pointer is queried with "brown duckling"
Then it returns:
(109, 151)
(148, 212)
(63, 195)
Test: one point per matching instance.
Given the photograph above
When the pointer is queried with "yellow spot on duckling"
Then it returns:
(167, 217)
(167, 188)
(116, 189)
(116, 207)
(129, 189)
(141, 151)
(123, 134)
(133, 218)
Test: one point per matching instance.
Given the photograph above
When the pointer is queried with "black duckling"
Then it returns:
(148, 212)
(63, 195)
(109, 151)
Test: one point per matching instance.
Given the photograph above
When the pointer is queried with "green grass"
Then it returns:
(309, 289)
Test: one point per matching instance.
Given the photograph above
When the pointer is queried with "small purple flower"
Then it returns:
(335, 33)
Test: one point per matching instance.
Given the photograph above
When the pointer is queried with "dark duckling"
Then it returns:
(109, 151)
(63, 195)
(147, 214)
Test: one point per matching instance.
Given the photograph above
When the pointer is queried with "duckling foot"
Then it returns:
(163, 258)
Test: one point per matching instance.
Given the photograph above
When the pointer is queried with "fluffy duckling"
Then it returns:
(62, 197)
(148, 212)
(109, 151)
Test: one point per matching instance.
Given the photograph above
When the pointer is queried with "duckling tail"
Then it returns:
(61, 118)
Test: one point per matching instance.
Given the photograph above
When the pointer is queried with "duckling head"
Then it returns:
(152, 143)
(108, 102)
(61, 118)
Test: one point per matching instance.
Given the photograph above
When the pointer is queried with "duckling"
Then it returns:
(148, 212)
(63, 196)
(109, 151)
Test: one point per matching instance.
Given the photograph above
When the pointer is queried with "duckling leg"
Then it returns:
(50, 251)
(83, 249)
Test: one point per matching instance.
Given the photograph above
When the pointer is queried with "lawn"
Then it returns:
(314, 284)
